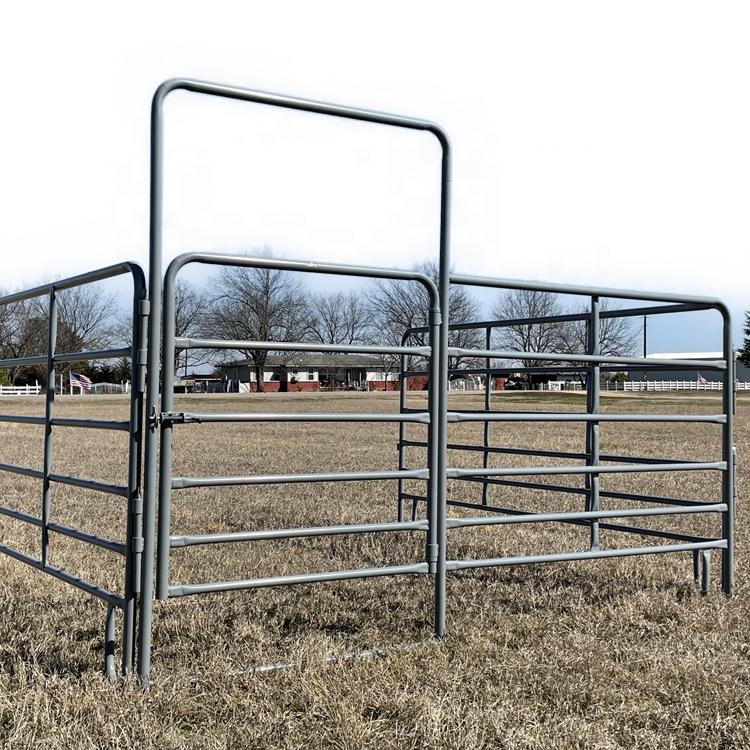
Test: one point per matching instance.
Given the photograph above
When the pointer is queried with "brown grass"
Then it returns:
(608, 654)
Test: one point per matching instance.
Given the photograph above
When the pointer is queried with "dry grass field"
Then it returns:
(605, 654)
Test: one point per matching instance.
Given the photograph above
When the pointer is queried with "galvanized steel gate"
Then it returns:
(162, 420)
(128, 491)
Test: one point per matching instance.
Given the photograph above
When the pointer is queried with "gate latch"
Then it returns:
(179, 417)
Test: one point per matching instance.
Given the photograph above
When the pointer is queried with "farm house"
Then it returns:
(315, 372)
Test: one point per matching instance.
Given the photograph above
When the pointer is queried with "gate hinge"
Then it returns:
(137, 544)
(138, 506)
(144, 307)
(435, 318)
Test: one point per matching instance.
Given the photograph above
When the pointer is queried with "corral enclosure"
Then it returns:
(569, 643)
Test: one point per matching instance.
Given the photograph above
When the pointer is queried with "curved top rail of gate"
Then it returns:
(155, 273)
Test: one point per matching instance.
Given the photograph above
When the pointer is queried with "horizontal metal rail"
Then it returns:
(591, 555)
(20, 516)
(187, 540)
(625, 312)
(515, 368)
(23, 470)
(706, 364)
(582, 491)
(83, 536)
(84, 356)
(297, 346)
(545, 454)
(640, 530)
(89, 484)
(556, 416)
(90, 277)
(458, 523)
(90, 588)
(588, 291)
(294, 580)
(181, 483)
(24, 361)
(18, 419)
(90, 424)
(201, 417)
(510, 471)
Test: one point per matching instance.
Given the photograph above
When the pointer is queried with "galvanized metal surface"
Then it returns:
(152, 375)
(130, 550)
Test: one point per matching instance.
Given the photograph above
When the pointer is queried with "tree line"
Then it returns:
(262, 304)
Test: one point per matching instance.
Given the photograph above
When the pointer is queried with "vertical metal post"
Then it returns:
(401, 430)
(134, 541)
(706, 572)
(442, 384)
(727, 451)
(487, 405)
(152, 387)
(696, 566)
(165, 440)
(49, 406)
(109, 646)
(592, 428)
(433, 449)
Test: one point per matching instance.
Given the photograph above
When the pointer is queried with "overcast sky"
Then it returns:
(595, 142)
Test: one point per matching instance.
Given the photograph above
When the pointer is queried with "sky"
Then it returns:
(601, 143)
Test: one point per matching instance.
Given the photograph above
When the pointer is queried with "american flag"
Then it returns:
(79, 381)
(702, 380)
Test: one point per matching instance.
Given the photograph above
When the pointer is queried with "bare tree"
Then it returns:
(256, 304)
(617, 336)
(397, 306)
(17, 338)
(522, 304)
(85, 321)
(337, 318)
(191, 308)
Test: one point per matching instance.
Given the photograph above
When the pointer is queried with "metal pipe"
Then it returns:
(627, 312)
(596, 555)
(90, 484)
(537, 470)
(202, 417)
(181, 483)
(592, 427)
(89, 588)
(49, 406)
(727, 452)
(294, 580)
(88, 356)
(83, 536)
(706, 572)
(603, 524)
(543, 416)
(85, 278)
(297, 346)
(187, 540)
(92, 424)
(587, 291)
(487, 405)
(459, 523)
(134, 540)
(109, 646)
(708, 364)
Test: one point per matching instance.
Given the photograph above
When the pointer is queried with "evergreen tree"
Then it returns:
(744, 353)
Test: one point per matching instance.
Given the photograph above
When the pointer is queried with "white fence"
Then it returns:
(668, 385)
(20, 390)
